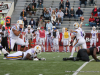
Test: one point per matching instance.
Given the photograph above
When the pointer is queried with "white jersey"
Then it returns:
(31, 52)
(94, 36)
(37, 34)
(12, 35)
(48, 34)
(78, 33)
(26, 30)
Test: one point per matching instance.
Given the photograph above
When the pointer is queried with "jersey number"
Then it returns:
(8, 21)
(81, 34)
(93, 34)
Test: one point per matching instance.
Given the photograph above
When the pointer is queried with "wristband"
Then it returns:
(81, 22)
(20, 29)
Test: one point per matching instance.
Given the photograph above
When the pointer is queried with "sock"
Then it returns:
(44, 49)
(73, 50)
(68, 48)
(65, 48)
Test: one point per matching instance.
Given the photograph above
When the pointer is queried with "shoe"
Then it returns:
(64, 59)
(71, 56)
(46, 50)
(4, 58)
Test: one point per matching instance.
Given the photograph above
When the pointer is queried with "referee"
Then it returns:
(4, 37)
(83, 54)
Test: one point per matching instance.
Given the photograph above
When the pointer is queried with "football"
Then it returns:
(82, 18)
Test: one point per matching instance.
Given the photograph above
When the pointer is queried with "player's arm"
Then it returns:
(94, 54)
(81, 23)
(28, 56)
(2, 33)
(16, 32)
(72, 36)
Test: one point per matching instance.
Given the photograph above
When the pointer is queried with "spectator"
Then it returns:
(53, 13)
(66, 12)
(50, 11)
(83, 2)
(44, 11)
(61, 4)
(94, 11)
(22, 14)
(92, 21)
(97, 21)
(33, 10)
(41, 23)
(91, 2)
(47, 16)
(25, 22)
(99, 11)
(79, 12)
(56, 10)
(28, 10)
(49, 24)
(60, 13)
(40, 3)
(32, 23)
(38, 19)
(67, 4)
(72, 12)
(33, 3)
(53, 20)
(58, 21)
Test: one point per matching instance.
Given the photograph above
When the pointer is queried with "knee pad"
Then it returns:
(22, 46)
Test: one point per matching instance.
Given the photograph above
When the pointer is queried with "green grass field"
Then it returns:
(52, 66)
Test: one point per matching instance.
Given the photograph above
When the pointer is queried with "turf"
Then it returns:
(52, 66)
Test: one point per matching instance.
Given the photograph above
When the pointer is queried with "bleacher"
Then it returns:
(22, 4)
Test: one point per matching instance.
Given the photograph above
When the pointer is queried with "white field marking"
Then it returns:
(7, 74)
(40, 74)
(58, 56)
(78, 70)
(53, 57)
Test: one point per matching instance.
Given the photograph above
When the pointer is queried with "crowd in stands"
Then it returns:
(54, 17)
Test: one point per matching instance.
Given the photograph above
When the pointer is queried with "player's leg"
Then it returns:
(47, 44)
(43, 44)
(84, 46)
(12, 43)
(22, 43)
(51, 44)
(94, 42)
(91, 42)
(75, 45)
(26, 44)
(15, 56)
(30, 41)
(64, 45)
(56, 45)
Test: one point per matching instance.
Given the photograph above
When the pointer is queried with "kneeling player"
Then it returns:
(30, 54)
(83, 54)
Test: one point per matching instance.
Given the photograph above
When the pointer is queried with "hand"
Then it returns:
(97, 60)
(20, 29)
(43, 58)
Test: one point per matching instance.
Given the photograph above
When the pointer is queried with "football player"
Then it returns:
(79, 36)
(42, 38)
(30, 54)
(55, 40)
(83, 54)
(49, 39)
(93, 36)
(37, 35)
(14, 35)
(28, 27)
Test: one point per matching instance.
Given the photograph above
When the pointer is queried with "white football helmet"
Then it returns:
(20, 22)
(29, 26)
(94, 28)
(37, 48)
(53, 27)
(63, 30)
(76, 25)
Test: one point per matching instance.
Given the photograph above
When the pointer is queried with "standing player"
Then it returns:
(14, 35)
(49, 39)
(28, 27)
(28, 39)
(30, 54)
(55, 40)
(79, 36)
(93, 36)
(42, 38)
(37, 35)
(65, 39)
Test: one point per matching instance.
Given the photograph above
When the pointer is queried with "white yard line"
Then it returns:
(79, 69)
